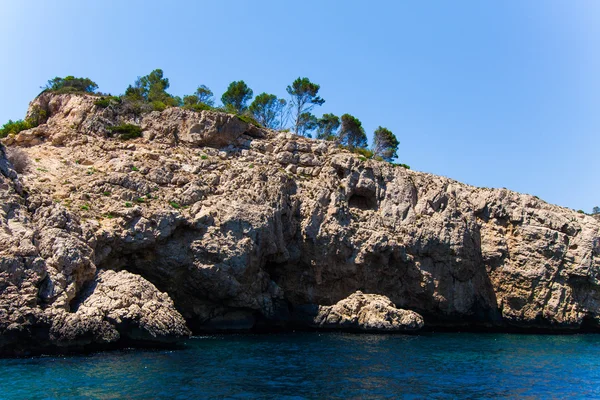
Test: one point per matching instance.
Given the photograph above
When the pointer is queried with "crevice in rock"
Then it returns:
(362, 202)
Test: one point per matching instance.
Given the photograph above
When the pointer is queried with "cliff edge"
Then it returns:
(209, 223)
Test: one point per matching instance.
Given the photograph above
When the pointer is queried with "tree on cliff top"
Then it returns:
(152, 88)
(385, 144)
(268, 110)
(307, 124)
(596, 210)
(71, 84)
(351, 133)
(236, 97)
(327, 126)
(304, 96)
(202, 95)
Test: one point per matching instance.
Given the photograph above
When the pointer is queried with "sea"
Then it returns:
(301, 365)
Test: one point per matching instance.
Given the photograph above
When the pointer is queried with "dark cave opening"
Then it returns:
(362, 202)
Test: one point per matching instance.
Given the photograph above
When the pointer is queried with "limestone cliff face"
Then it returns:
(208, 223)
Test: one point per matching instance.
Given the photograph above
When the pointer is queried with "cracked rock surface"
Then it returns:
(207, 223)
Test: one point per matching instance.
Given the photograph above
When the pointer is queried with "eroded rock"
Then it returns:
(242, 226)
(367, 312)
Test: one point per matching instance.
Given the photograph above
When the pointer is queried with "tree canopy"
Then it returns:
(152, 88)
(385, 144)
(304, 96)
(202, 95)
(351, 133)
(268, 110)
(236, 97)
(307, 124)
(596, 210)
(327, 126)
(71, 84)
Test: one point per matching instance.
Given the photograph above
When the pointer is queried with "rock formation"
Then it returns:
(209, 223)
(367, 312)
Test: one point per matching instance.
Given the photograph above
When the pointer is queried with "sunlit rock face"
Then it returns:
(208, 223)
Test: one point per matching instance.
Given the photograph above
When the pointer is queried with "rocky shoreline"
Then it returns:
(207, 223)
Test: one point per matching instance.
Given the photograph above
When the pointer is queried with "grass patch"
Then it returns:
(175, 205)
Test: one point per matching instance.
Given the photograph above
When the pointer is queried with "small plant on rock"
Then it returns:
(126, 131)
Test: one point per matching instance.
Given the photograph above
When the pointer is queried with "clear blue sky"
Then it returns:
(491, 93)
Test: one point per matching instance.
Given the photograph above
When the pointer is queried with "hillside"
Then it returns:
(209, 223)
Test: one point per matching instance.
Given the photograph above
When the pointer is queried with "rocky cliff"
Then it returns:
(208, 223)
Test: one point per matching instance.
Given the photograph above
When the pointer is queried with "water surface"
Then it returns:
(322, 365)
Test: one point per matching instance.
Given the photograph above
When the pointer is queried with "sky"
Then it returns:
(490, 93)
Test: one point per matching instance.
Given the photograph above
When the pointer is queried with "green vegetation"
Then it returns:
(203, 96)
(104, 102)
(327, 126)
(236, 97)
(175, 205)
(401, 165)
(126, 131)
(385, 144)
(134, 168)
(306, 123)
(128, 204)
(14, 127)
(198, 107)
(152, 88)
(304, 96)
(85, 207)
(268, 110)
(596, 210)
(106, 193)
(352, 134)
(149, 93)
(248, 119)
(204, 157)
(70, 84)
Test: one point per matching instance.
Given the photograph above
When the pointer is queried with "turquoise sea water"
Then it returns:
(322, 365)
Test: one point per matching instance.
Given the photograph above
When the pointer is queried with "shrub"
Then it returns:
(363, 152)
(198, 107)
(126, 131)
(104, 102)
(14, 127)
(174, 205)
(128, 204)
(18, 158)
(70, 84)
(248, 119)
(158, 106)
(37, 116)
(401, 165)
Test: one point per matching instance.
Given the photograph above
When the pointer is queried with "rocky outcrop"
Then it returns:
(367, 312)
(243, 227)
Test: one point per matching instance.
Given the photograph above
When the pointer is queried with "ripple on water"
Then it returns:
(322, 365)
